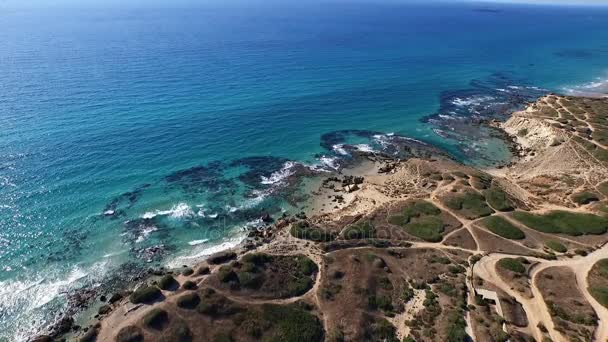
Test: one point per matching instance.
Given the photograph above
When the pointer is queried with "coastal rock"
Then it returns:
(266, 218)
(42, 338)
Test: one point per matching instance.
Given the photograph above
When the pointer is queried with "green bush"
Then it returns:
(564, 222)
(502, 227)
(360, 230)
(226, 274)
(145, 294)
(188, 300)
(156, 319)
(258, 259)
(189, 285)
(513, 265)
(306, 266)
(168, 283)
(556, 246)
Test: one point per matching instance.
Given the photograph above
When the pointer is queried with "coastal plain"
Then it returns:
(421, 249)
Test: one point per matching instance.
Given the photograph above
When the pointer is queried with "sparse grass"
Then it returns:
(511, 264)
(502, 227)
(556, 246)
(564, 222)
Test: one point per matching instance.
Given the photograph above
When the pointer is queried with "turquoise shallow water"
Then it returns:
(152, 116)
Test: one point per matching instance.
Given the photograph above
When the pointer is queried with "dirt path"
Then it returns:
(535, 307)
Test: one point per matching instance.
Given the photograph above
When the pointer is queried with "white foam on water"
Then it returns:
(471, 101)
(279, 177)
(197, 242)
(202, 253)
(596, 88)
(364, 148)
(33, 301)
(179, 210)
(339, 149)
(145, 233)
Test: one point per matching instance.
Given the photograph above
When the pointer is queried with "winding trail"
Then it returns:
(535, 307)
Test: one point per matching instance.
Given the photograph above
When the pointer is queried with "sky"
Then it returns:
(145, 3)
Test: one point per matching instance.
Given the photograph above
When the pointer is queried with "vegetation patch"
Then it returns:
(469, 204)
(556, 246)
(145, 294)
(513, 265)
(188, 300)
(360, 230)
(564, 222)
(502, 227)
(498, 199)
(291, 324)
(168, 283)
(156, 319)
(270, 275)
(421, 219)
(304, 230)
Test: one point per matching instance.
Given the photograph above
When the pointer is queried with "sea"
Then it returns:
(138, 135)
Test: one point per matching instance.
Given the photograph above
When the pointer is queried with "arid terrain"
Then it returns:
(414, 250)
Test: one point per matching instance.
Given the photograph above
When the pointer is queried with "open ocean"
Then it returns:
(131, 136)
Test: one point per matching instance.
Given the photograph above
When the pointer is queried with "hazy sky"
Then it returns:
(144, 3)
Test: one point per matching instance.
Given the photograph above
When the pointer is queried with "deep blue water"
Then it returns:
(102, 110)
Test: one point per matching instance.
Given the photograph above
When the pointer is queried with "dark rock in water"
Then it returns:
(104, 309)
(301, 215)
(102, 298)
(62, 326)
(258, 167)
(42, 338)
(221, 257)
(266, 218)
(115, 298)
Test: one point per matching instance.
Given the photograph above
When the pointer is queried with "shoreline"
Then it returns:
(347, 195)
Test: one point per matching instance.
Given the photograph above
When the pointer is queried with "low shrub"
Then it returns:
(503, 228)
(188, 301)
(156, 318)
(145, 294)
(556, 246)
(512, 265)
(168, 283)
(564, 222)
